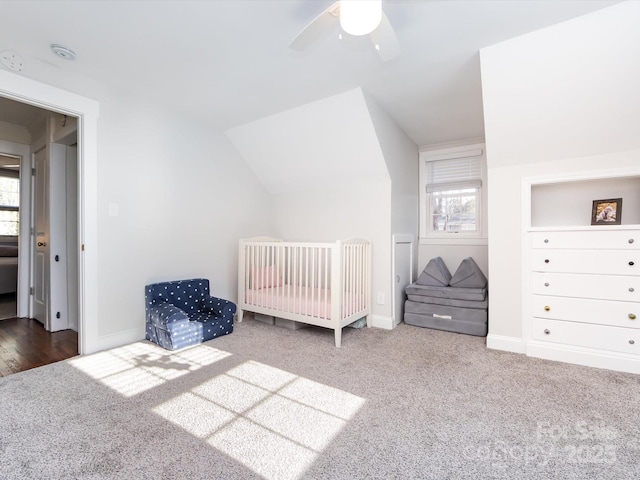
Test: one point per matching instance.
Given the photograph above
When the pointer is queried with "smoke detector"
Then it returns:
(11, 60)
(63, 52)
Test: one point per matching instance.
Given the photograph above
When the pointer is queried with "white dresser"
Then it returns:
(585, 296)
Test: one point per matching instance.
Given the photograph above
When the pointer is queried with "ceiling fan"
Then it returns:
(369, 20)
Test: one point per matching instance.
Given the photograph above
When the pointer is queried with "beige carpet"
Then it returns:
(265, 402)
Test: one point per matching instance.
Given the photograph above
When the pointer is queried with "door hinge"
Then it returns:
(33, 172)
(30, 290)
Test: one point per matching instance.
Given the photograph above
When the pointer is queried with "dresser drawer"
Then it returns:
(591, 239)
(604, 312)
(606, 287)
(610, 262)
(616, 339)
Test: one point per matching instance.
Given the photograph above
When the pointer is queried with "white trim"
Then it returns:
(451, 145)
(585, 228)
(455, 240)
(118, 339)
(380, 321)
(397, 239)
(508, 344)
(24, 239)
(584, 356)
(450, 154)
(29, 91)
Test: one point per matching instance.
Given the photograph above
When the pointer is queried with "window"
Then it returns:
(9, 203)
(453, 197)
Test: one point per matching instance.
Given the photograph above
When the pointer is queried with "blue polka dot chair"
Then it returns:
(182, 313)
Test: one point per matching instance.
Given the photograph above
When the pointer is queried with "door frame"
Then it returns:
(25, 90)
(399, 239)
(24, 238)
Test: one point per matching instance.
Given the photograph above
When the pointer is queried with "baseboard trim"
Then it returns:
(508, 344)
(589, 357)
(119, 339)
(380, 321)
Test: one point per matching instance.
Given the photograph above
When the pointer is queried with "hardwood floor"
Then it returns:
(25, 344)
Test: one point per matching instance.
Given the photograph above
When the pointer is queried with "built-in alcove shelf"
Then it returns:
(568, 204)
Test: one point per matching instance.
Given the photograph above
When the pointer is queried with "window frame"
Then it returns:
(427, 234)
(8, 173)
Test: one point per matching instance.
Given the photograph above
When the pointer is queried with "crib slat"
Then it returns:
(288, 309)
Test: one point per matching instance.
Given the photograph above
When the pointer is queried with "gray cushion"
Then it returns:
(450, 302)
(446, 313)
(468, 275)
(477, 294)
(435, 274)
(458, 326)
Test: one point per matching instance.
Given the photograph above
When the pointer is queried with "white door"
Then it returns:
(72, 238)
(402, 273)
(50, 304)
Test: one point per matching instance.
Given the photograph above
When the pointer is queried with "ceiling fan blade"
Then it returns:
(319, 27)
(385, 41)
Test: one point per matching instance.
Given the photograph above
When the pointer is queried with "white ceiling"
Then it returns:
(226, 62)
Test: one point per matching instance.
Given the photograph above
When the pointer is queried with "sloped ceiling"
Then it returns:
(323, 144)
(227, 62)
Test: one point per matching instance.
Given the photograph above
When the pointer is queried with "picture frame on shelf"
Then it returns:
(606, 212)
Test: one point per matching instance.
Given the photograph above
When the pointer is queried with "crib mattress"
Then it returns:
(457, 293)
(313, 302)
(470, 321)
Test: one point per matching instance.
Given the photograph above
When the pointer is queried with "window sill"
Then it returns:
(454, 240)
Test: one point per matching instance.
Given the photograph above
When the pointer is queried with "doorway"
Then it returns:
(42, 95)
(55, 189)
(9, 231)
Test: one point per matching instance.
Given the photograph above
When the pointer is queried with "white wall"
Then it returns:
(183, 196)
(15, 133)
(557, 101)
(327, 143)
(325, 166)
(327, 214)
(400, 154)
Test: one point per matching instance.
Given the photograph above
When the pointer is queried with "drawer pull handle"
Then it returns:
(631, 240)
(631, 289)
(632, 342)
(546, 260)
(547, 331)
(546, 240)
(546, 284)
(631, 263)
(632, 316)
(547, 308)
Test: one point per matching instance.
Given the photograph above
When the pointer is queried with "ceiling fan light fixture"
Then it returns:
(360, 17)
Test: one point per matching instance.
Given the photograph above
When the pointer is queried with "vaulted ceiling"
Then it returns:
(227, 62)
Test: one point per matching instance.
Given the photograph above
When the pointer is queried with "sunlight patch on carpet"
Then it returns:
(141, 366)
(272, 421)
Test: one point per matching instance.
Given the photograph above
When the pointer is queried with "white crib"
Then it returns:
(323, 284)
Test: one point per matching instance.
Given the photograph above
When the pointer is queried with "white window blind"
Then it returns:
(453, 174)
